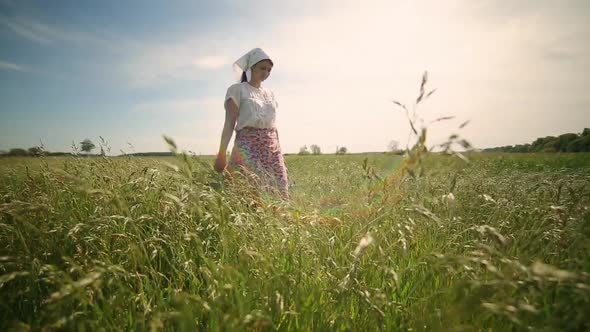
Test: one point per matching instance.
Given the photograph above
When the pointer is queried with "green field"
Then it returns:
(127, 243)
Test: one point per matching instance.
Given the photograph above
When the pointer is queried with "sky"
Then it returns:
(132, 71)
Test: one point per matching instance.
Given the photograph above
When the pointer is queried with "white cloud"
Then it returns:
(30, 30)
(5, 65)
(211, 61)
(338, 71)
(44, 33)
(154, 64)
(179, 105)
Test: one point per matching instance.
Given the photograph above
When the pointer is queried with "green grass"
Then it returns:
(167, 244)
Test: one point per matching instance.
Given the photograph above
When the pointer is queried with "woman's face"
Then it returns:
(261, 70)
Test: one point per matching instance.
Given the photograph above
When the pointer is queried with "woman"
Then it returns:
(250, 109)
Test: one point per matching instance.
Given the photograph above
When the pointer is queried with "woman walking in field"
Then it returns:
(250, 109)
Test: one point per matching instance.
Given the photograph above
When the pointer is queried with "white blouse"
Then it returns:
(256, 107)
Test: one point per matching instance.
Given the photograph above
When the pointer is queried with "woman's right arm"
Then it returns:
(231, 117)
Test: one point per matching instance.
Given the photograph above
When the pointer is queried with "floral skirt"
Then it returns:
(258, 150)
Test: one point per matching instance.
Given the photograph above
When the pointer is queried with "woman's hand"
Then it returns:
(220, 162)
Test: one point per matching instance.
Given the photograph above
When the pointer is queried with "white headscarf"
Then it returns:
(248, 60)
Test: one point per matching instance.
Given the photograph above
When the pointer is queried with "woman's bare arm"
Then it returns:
(231, 117)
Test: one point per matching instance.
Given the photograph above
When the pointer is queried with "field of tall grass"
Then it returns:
(375, 242)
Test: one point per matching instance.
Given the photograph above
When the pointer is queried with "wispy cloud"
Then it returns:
(32, 31)
(5, 65)
(43, 33)
(211, 61)
(179, 105)
(155, 63)
(139, 63)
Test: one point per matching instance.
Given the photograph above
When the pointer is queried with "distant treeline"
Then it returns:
(35, 152)
(569, 142)
(152, 154)
(563, 143)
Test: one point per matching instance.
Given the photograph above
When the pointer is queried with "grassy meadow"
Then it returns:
(374, 242)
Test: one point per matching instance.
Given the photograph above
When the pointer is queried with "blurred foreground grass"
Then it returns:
(500, 243)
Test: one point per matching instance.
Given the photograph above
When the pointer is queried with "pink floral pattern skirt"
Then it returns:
(258, 150)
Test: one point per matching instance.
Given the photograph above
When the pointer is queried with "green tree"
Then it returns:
(35, 151)
(393, 146)
(580, 144)
(17, 152)
(87, 145)
(520, 148)
(544, 143)
(303, 150)
(342, 150)
(564, 140)
(537, 145)
(550, 146)
(585, 143)
(315, 149)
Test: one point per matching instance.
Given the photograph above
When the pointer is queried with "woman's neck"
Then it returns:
(255, 84)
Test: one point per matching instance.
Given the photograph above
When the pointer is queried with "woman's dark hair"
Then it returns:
(245, 77)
